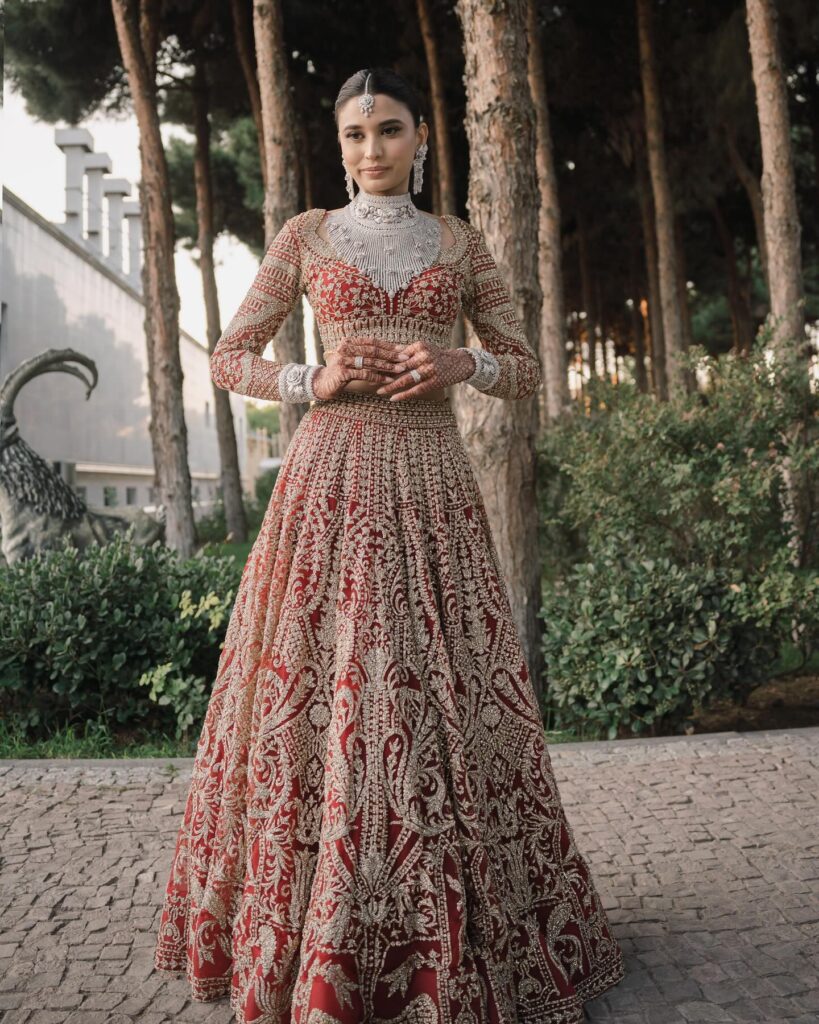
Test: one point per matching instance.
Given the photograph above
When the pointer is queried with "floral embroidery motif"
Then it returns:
(373, 832)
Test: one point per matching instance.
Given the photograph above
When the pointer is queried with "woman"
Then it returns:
(373, 831)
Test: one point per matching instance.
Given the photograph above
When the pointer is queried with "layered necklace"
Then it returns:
(386, 237)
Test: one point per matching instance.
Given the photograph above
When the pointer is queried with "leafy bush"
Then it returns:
(211, 528)
(635, 643)
(671, 542)
(80, 629)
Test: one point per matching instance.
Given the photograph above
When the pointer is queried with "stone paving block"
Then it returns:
(704, 849)
(16, 1016)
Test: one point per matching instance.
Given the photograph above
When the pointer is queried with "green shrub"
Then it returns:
(263, 489)
(211, 528)
(80, 629)
(635, 643)
(670, 546)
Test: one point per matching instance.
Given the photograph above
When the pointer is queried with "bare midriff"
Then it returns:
(369, 387)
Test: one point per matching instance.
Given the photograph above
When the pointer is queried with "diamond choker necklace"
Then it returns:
(386, 237)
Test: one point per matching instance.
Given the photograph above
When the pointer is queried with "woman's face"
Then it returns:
(387, 139)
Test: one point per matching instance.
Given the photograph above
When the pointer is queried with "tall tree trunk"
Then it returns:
(281, 194)
(444, 164)
(682, 282)
(235, 520)
(307, 169)
(601, 320)
(782, 227)
(673, 334)
(500, 435)
(682, 297)
(782, 235)
(243, 34)
(640, 375)
(753, 190)
(659, 376)
(136, 25)
(554, 398)
(741, 323)
(813, 119)
(587, 291)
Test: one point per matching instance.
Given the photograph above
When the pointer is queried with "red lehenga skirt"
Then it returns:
(373, 832)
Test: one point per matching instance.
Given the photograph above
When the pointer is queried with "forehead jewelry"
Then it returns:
(366, 101)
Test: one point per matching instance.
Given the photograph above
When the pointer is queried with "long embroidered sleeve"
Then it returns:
(487, 304)
(236, 363)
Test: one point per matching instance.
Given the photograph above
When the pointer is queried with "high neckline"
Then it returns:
(366, 208)
(386, 237)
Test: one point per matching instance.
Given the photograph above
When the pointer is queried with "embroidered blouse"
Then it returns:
(346, 303)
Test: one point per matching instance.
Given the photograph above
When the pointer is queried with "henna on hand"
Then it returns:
(439, 368)
(380, 363)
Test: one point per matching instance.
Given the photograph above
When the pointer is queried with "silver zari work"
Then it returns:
(296, 382)
(386, 237)
(487, 369)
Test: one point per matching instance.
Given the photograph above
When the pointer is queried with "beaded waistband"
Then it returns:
(401, 330)
(408, 412)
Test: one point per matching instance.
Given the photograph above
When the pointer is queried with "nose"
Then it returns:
(373, 147)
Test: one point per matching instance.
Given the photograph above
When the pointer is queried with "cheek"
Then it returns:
(402, 148)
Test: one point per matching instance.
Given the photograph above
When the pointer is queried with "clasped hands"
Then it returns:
(389, 365)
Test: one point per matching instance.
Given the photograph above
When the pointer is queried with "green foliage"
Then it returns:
(673, 578)
(79, 630)
(93, 738)
(237, 194)
(263, 417)
(212, 527)
(633, 642)
(177, 682)
(63, 57)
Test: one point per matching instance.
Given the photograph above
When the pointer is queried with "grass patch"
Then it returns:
(92, 739)
(238, 552)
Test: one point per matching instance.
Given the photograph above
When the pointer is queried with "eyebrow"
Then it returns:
(381, 124)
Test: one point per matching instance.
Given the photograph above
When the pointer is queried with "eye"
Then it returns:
(392, 128)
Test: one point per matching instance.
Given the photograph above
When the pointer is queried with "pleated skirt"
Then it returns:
(373, 832)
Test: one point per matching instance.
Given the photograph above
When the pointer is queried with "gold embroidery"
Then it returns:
(347, 304)
(373, 831)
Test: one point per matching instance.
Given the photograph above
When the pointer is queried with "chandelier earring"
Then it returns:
(348, 179)
(418, 167)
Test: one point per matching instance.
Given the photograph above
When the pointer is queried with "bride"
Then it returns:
(372, 830)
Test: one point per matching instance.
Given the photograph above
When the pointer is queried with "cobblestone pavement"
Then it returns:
(705, 850)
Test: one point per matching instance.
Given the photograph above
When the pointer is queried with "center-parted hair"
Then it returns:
(383, 80)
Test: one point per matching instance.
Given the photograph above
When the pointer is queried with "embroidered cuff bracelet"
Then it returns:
(296, 382)
(487, 369)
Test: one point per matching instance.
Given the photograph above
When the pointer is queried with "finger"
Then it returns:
(416, 392)
(363, 374)
(418, 360)
(407, 380)
(408, 351)
(374, 375)
(370, 362)
(373, 351)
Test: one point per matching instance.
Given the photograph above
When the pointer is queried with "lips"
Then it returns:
(373, 170)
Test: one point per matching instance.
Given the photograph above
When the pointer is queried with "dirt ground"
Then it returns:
(784, 703)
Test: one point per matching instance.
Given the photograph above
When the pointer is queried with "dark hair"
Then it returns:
(383, 80)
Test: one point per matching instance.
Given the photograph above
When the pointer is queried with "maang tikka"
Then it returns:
(365, 105)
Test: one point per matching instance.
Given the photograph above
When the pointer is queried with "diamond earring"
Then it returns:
(348, 178)
(418, 167)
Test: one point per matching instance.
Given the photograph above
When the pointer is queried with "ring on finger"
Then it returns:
(359, 362)
(416, 375)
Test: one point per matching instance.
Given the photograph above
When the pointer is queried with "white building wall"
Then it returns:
(57, 294)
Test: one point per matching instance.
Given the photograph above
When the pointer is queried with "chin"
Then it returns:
(380, 186)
